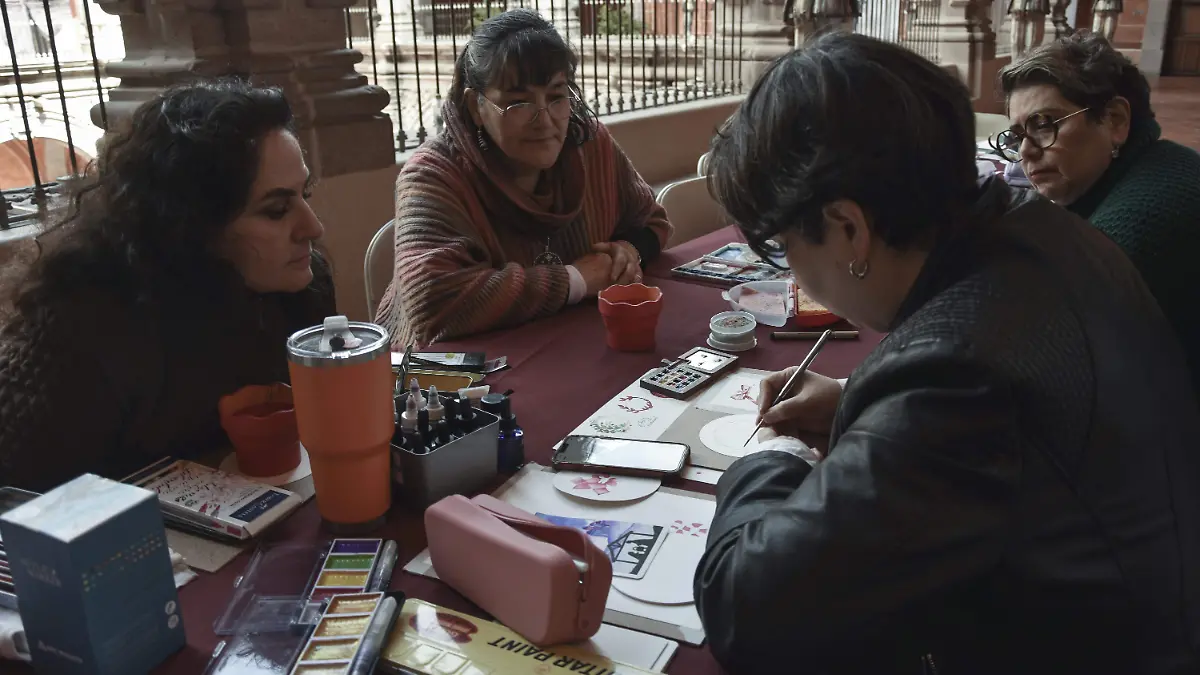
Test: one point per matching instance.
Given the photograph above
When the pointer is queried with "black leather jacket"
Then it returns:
(1012, 486)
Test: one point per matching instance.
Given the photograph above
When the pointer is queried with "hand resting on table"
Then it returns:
(626, 263)
(596, 269)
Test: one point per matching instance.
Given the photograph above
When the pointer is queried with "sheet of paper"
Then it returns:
(532, 490)
(634, 413)
(736, 393)
(637, 649)
(631, 547)
(701, 474)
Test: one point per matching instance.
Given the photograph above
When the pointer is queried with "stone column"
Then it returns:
(967, 43)
(767, 34)
(1056, 23)
(297, 45)
(810, 18)
(1028, 24)
(1105, 15)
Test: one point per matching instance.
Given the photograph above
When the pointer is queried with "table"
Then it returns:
(560, 372)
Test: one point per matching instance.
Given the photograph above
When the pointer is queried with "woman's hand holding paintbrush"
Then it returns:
(810, 408)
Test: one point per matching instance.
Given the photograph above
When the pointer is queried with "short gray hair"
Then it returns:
(1087, 70)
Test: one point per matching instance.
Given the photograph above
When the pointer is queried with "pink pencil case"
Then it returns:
(547, 582)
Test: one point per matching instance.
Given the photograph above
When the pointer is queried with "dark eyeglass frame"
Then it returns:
(571, 100)
(1008, 142)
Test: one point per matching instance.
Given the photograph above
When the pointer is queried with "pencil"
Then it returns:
(813, 335)
(791, 381)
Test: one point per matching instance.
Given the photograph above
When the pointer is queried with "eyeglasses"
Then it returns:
(559, 108)
(1040, 129)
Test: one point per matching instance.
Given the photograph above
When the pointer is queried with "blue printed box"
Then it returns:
(90, 563)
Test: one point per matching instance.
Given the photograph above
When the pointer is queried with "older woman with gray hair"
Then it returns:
(1086, 137)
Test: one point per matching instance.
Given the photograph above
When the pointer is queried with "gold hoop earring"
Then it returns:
(481, 139)
(860, 274)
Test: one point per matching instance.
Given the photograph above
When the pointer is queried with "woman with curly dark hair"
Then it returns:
(186, 261)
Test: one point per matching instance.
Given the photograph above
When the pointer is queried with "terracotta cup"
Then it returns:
(261, 423)
(631, 316)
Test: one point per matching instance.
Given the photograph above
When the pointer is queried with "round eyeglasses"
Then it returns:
(1039, 128)
(559, 108)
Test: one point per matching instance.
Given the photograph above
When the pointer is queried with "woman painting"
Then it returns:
(1085, 135)
(183, 267)
(1002, 492)
(524, 205)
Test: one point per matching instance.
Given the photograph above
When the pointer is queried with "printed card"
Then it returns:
(630, 546)
(736, 393)
(635, 413)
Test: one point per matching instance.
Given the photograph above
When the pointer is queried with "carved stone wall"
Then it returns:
(297, 45)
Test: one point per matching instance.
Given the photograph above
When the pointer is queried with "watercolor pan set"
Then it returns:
(347, 568)
(339, 636)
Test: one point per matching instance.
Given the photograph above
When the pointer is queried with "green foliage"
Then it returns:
(616, 21)
(482, 13)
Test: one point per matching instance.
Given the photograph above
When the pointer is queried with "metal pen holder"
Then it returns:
(462, 466)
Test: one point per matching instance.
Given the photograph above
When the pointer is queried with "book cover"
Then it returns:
(220, 502)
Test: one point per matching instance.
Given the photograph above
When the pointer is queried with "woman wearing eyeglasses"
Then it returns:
(524, 204)
(1085, 135)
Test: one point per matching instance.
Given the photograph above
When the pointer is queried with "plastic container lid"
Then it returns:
(733, 326)
(337, 342)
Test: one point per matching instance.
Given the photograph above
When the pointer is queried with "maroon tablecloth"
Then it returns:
(560, 372)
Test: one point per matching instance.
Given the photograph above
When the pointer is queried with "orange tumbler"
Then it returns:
(342, 386)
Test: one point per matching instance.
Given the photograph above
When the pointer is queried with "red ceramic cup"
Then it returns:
(631, 316)
(261, 423)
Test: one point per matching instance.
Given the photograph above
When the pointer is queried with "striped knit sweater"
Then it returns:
(466, 238)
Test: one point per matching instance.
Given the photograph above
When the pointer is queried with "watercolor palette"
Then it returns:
(347, 567)
(339, 635)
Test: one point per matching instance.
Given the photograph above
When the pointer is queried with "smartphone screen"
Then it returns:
(622, 453)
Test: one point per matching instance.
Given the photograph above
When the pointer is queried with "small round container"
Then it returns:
(732, 331)
(733, 327)
(732, 347)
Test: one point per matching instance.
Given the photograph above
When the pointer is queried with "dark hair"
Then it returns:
(149, 210)
(848, 117)
(1087, 70)
(515, 49)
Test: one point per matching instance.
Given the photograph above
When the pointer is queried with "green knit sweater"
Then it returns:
(1148, 202)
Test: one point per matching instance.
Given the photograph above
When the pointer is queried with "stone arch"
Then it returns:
(50, 145)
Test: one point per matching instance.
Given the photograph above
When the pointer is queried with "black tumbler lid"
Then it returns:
(497, 404)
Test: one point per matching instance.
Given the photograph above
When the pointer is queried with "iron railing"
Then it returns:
(634, 54)
(912, 23)
(50, 80)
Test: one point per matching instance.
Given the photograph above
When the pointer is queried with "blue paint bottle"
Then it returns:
(511, 451)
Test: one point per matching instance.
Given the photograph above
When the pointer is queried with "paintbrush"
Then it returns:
(791, 381)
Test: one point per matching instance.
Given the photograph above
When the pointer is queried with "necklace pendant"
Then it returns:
(547, 257)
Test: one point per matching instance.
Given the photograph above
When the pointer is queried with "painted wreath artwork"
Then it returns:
(634, 404)
(610, 426)
(597, 483)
